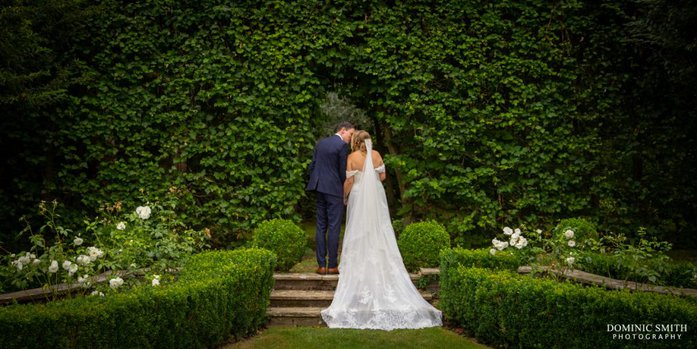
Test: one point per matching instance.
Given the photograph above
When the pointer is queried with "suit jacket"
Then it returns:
(328, 166)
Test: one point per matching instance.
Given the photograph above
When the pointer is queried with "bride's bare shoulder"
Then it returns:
(377, 158)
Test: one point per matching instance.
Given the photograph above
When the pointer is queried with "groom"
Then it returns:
(327, 175)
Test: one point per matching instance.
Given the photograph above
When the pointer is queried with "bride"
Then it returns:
(374, 289)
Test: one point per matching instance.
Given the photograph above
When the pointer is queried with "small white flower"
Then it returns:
(26, 259)
(133, 266)
(78, 241)
(73, 269)
(492, 251)
(94, 253)
(570, 260)
(569, 234)
(36, 261)
(507, 231)
(572, 243)
(539, 231)
(115, 282)
(54, 267)
(499, 245)
(517, 231)
(122, 225)
(514, 239)
(522, 242)
(18, 264)
(82, 279)
(66, 264)
(83, 259)
(143, 212)
(156, 280)
(97, 293)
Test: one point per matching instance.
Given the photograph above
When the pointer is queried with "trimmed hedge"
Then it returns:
(451, 259)
(420, 244)
(218, 294)
(284, 238)
(505, 309)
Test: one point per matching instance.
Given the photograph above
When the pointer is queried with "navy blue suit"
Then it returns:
(327, 175)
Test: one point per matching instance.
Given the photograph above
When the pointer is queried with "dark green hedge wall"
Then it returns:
(488, 112)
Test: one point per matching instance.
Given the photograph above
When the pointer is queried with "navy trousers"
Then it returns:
(330, 213)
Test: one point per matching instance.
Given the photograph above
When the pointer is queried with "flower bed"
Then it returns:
(505, 309)
(218, 294)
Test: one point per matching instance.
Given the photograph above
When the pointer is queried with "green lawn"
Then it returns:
(322, 338)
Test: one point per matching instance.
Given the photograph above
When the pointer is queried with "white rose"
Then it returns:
(517, 231)
(26, 259)
(507, 231)
(122, 225)
(116, 282)
(572, 243)
(94, 253)
(78, 241)
(82, 279)
(522, 242)
(54, 267)
(18, 264)
(569, 234)
(143, 212)
(539, 231)
(66, 264)
(492, 251)
(36, 261)
(83, 259)
(570, 260)
(514, 240)
(72, 269)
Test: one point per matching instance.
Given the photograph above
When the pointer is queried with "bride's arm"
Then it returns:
(348, 182)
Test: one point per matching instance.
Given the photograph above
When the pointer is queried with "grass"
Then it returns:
(314, 337)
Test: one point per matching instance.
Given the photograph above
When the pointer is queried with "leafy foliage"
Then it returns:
(119, 241)
(488, 112)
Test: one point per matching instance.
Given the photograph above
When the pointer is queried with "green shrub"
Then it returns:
(284, 238)
(219, 294)
(421, 243)
(666, 272)
(505, 309)
(582, 228)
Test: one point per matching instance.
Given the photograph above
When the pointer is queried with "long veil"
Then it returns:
(374, 290)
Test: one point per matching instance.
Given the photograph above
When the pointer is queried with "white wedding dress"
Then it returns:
(374, 289)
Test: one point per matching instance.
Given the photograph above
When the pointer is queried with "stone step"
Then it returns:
(311, 281)
(295, 316)
(312, 298)
(304, 281)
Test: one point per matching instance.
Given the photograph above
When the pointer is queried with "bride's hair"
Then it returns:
(358, 141)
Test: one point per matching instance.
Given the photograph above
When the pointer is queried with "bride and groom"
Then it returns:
(374, 290)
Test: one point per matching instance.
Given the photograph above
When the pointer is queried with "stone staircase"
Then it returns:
(297, 298)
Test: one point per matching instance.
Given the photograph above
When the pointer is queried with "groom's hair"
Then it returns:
(345, 124)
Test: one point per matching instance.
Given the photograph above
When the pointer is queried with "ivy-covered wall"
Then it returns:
(489, 113)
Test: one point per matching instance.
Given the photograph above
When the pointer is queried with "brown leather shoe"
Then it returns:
(321, 270)
(333, 271)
